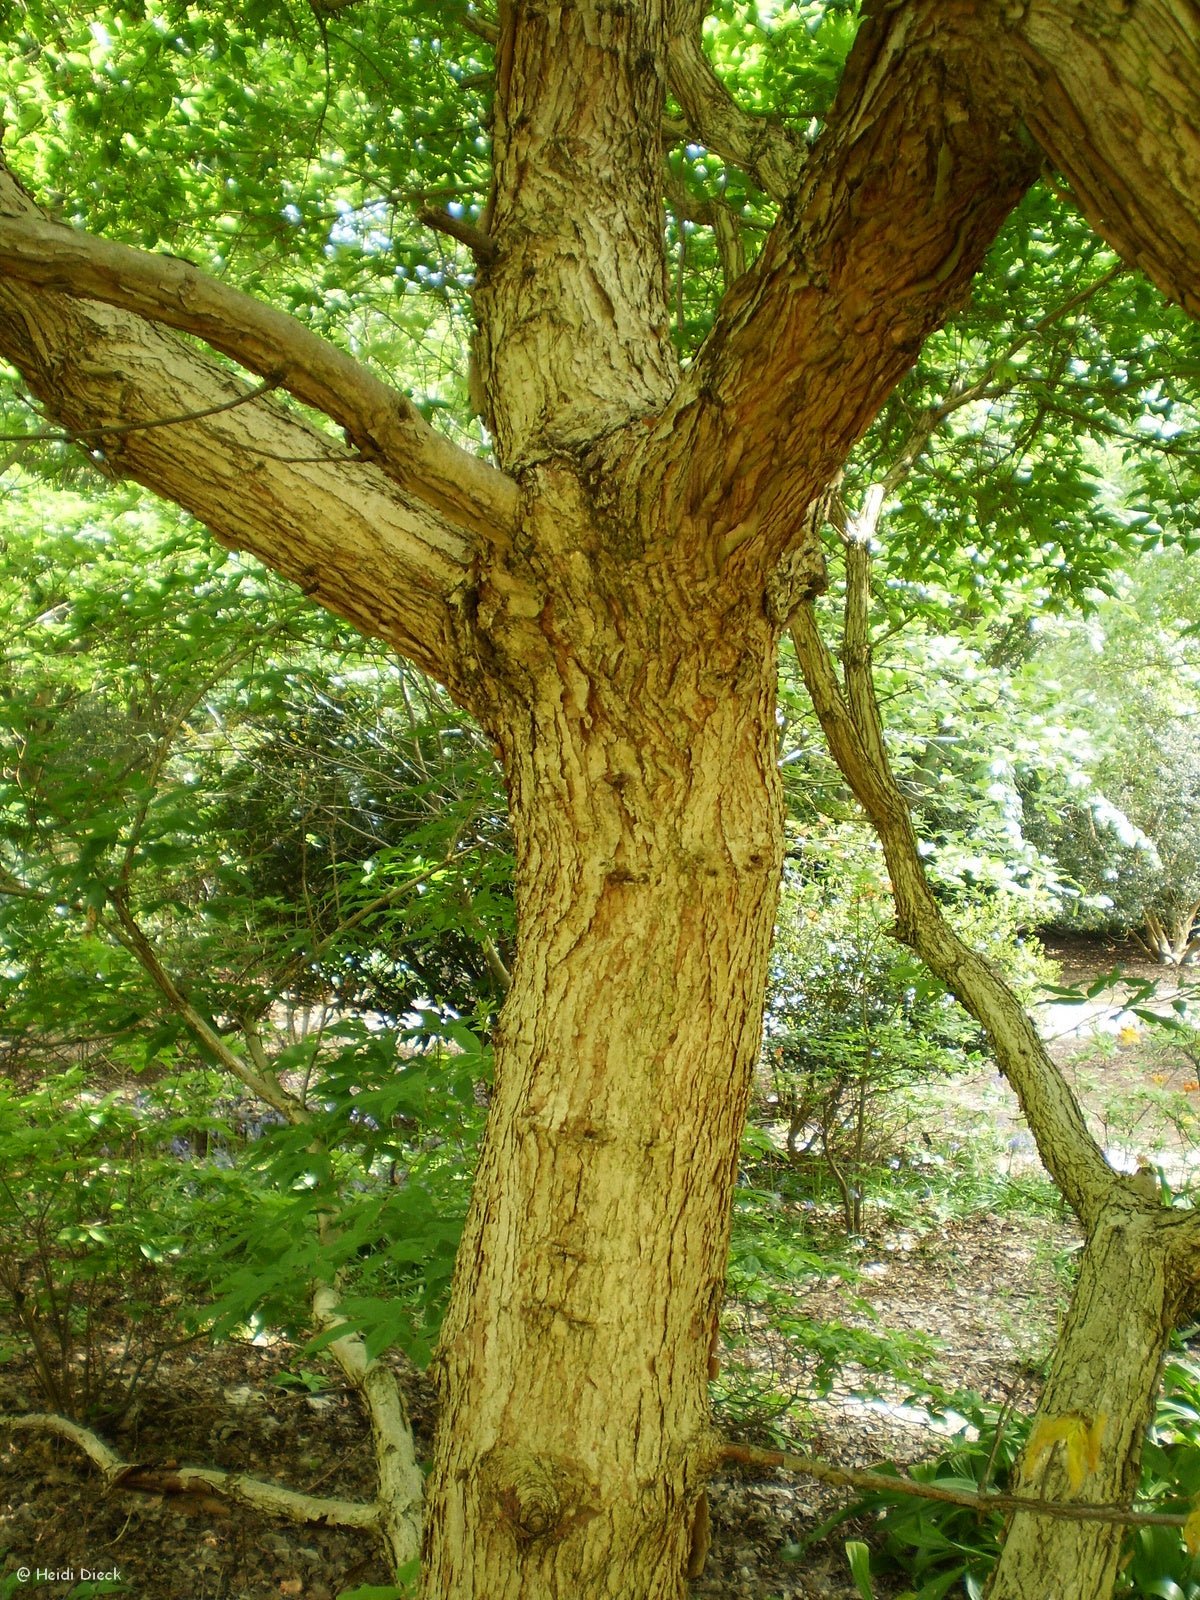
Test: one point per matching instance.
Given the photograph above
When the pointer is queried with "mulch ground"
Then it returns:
(995, 1298)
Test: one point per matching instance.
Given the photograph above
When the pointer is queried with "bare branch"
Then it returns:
(260, 1080)
(236, 1486)
(770, 155)
(479, 25)
(724, 222)
(477, 242)
(380, 422)
(983, 1501)
(113, 430)
(401, 1482)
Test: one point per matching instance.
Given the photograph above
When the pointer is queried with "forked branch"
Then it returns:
(209, 1482)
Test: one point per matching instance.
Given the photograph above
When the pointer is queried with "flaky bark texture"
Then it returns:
(1111, 91)
(1137, 1279)
(608, 602)
(646, 808)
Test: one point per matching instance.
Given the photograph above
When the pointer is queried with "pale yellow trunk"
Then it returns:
(1105, 1377)
(575, 1440)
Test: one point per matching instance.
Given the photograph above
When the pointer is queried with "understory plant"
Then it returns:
(853, 1016)
(96, 1209)
(940, 1549)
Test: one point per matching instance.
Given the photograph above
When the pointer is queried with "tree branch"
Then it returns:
(113, 430)
(476, 241)
(380, 422)
(982, 1501)
(920, 162)
(1110, 91)
(401, 1481)
(851, 721)
(261, 479)
(987, 384)
(262, 1083)
(721, 218)
(926, 150)
(237, 1486)
(771, 155)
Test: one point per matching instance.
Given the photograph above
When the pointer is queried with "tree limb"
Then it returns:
(261, 479)
(926, 150)
(982, 1501)
(379, 421)
(770, 154)
(476, 241)
(237, 1486)
(849, 715)
(921, 160)
(401, 1482)
(1110, 91)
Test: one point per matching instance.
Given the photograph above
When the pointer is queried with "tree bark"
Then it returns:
(1111, 91)
(1137, 1276)
(639, 742)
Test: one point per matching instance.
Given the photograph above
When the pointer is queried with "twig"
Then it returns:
(265, 1085)
(993, 1500)
(105, 430)
(480, 244)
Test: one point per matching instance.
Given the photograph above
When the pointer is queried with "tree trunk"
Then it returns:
(1140, 1261)
(1133, 1285)
(574, 1362)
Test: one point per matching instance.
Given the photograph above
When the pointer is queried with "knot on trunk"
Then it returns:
(529, 1490)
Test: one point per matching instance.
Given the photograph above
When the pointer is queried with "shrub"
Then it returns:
(95, 1205)
(852, 1015)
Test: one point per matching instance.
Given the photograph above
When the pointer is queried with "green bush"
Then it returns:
(96, 1207)
(386, 1160)
(853, 1016)
(943, 1549)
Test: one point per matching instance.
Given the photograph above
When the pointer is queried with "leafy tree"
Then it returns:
(605, 585)
(1129, 842)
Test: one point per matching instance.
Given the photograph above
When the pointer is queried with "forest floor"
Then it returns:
(975, 1283)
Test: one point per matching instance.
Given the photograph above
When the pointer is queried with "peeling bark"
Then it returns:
(263, 479)
(572, 308)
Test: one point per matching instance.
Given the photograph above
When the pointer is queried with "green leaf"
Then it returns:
(859, 1557)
